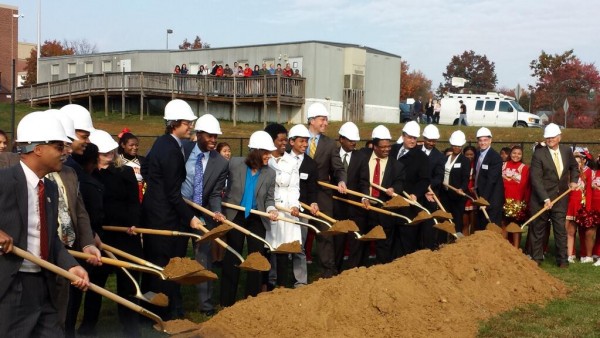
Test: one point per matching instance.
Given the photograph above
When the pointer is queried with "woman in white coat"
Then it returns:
(287, 193)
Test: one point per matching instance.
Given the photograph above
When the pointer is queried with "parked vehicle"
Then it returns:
(406, 113)
(488, 110)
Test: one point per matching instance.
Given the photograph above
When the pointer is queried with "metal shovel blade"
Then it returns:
(375, 234)
(441, 215)
(446, 227)
(344, 226)
(198, 277)
(158, 299)
(493, 227)
(289, 248)
(421, 216)
(215, 233)
(255, 262)
(176, 326)
(482, 202)
(513, 227)
(396, 202)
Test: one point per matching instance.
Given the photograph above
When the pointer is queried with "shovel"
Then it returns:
(193, 277)
(391, 204)
(266, 214)
(150, 297)
(375, 234)
(447, 226)
(283, 248)
(335, 227)
(513, 227)
(479, 201)
(422, 216)
(154, 232)
(376, 209)
(160, 325)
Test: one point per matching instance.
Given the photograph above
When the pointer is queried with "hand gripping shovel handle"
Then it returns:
(224, 245)
(542, 210)
(320, 213)
(93, 287)
(351, 192)
(285, 219)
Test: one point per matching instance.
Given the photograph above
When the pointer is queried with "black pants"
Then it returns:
(455, 205)
(26, 309)
(358, 251)
(231, 274)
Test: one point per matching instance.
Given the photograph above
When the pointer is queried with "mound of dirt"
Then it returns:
(427, 294)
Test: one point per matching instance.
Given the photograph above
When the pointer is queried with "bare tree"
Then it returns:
(81, 47)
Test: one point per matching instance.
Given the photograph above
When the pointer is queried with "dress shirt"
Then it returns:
(187, 188)
(33, 219)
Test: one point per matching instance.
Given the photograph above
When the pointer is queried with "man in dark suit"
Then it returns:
(431, 237)
(488, 178)
(307, 169)
(389, 173)
(27, 297)
(357, 173)
(163, 207)
(553, 170)
(416, 164)
(212, 178)
(323, 150)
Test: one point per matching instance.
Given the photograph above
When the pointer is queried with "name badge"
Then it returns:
(456, 165)
(303, 176)
(484, 166)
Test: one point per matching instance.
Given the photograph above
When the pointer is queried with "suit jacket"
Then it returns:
(79, 216)
(489, 181)
(308, 181)
(357, 179)
(215, 176)
(329, 169)
(545, 182)
(394, 175)
(164, 172)
(263, 193)
(459, 176)
(416, 166)
(437, 160)
(13, 208)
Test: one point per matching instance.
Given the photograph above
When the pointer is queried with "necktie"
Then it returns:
(43, 224)
(376, 179)
(478, 167)
(402, 152)
(313, 147)
(198, 180)
(345, 161)
(66, 232)
(557, 163)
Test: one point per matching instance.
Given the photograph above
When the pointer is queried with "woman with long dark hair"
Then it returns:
(515, 175)
(251, 184)
(127, 151)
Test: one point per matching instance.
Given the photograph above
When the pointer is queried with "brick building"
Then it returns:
(9, 26)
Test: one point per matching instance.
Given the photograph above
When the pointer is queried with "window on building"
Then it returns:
(72, 69)
(54, 72)
(106, 66)
(89, 67)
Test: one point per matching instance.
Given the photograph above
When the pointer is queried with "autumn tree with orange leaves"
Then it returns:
(413, 84)
(49, 48)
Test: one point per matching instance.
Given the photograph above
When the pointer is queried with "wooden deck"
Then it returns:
(271, 89)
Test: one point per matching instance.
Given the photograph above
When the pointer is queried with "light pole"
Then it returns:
(169, 31)
(14, 72)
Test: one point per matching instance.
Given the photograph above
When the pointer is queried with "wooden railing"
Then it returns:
(269, 86)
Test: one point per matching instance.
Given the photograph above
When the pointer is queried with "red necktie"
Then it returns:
(43, 225)
(376, 179)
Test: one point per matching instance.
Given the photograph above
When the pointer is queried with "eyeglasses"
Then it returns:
(58, 145)
(188, 124)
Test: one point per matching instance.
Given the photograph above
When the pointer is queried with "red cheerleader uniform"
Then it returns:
(515, 176)
(595, 185)
(469, 204)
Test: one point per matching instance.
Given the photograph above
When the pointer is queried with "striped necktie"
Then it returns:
(313, 147)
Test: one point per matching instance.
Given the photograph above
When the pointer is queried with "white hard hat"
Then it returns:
(431, 132)
(350, 131)
(317, 109)
(458, 138)
(177, 110)
(552, 130)
(208, 124)
(261, 140)
(483, 132)
(103, 141)
(298, 130)
(381, 132)
(40, 127)
(82, 120)
(66, 122)
(412, 128)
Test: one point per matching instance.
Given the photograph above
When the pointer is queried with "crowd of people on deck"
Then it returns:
(220, 70)
(67, 180)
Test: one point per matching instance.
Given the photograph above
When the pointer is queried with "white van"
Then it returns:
(487, 110)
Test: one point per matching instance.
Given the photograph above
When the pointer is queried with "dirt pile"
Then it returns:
(427, 294)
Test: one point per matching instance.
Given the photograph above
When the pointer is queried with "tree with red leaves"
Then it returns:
(49, 48)
(413, 84)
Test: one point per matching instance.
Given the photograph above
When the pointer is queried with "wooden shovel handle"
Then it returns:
(350, 192)
(320, 213)
(104, 260)
(458, 191)
(437, 200)
(383, 211)
(258, 212)
(380, 187)
(92, 287)
(288, 210)
(130, 257)
(140, 230)
(212, 214)
(542, 210)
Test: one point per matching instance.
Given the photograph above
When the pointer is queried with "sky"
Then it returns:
(426, 33)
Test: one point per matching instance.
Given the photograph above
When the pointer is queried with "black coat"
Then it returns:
(459, 176)
(437, 160)
(308, 181)
(416, 166)
(357, 179)
(490, 184)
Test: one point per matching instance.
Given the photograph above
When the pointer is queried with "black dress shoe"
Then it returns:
(208, 313)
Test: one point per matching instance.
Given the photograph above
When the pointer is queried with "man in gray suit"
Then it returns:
(28, 205)
(324, 151)
(553, 170)
(212, 180)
